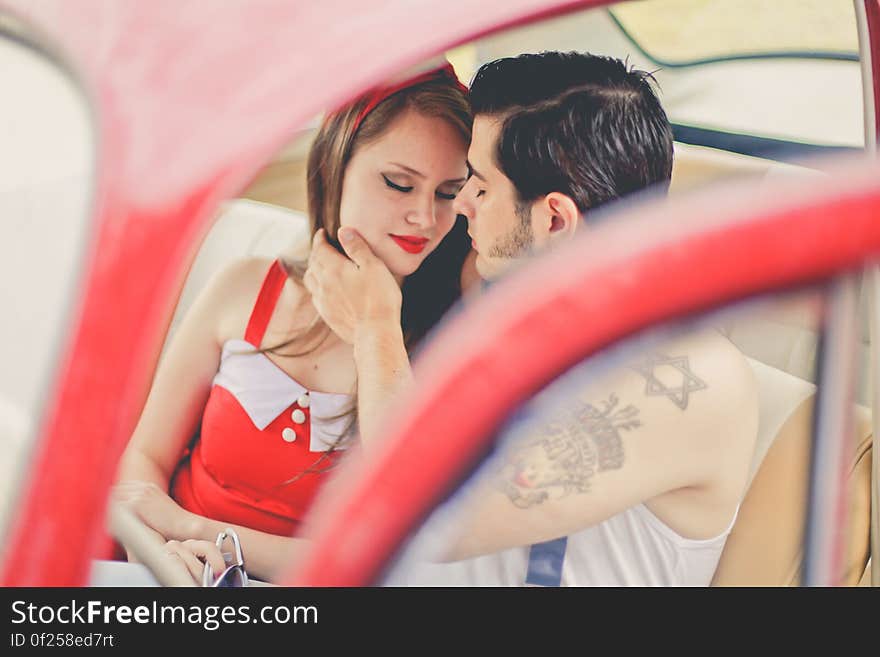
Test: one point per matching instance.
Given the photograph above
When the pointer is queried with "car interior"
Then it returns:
(780, 340)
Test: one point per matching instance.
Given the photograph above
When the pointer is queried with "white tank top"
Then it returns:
(632, 548)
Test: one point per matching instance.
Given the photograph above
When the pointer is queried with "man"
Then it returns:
(640, 481)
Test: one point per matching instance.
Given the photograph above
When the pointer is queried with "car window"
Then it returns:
(736, 93)
(683, 32)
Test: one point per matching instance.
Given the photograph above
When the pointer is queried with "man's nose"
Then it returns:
(462, 205)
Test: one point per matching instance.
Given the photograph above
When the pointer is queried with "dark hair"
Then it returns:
(587, 126)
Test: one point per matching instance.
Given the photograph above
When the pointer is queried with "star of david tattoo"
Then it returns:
(678, 394)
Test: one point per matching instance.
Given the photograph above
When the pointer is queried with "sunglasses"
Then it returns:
(234, 576)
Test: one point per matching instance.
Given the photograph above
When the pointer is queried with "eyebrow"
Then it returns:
(414, 172)
(419, 174)
(475, 172)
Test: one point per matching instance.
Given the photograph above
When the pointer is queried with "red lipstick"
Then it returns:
(410, 243)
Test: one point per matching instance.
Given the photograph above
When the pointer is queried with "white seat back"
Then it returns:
(243, 228)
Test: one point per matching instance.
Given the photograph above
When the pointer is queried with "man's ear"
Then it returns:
(560, 216)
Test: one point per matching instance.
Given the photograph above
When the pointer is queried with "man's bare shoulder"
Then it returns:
(708, 361)
(693, 393)
(700, 392)
(701, 371)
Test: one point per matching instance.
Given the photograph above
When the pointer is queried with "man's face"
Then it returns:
(500, 227)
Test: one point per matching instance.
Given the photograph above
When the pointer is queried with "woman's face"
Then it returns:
(398, 190)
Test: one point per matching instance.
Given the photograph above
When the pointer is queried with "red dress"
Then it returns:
(260, 429)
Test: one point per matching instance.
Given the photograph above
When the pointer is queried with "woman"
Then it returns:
(268, 383)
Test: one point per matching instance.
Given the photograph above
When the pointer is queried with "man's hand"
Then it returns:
(350, 294)
(155, 509)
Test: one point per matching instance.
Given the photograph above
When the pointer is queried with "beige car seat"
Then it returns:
(765, 545)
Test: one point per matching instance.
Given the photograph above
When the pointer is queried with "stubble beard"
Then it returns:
(518, 242)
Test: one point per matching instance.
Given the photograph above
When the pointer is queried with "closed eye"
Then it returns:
(399, 188)
(446, 197)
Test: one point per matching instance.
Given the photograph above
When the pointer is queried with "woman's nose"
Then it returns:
(423, 214)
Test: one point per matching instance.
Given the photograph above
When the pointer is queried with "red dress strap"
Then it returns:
(266, 300)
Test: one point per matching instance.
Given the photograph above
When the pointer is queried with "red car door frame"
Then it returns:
(172, 85)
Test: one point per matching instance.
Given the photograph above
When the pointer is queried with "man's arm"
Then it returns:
(674, 430)
(360, 301)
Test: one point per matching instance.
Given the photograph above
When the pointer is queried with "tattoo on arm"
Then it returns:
(571, 450)
(658, 370)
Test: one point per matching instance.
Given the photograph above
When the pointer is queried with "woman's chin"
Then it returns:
(403, 266)
(402, 270)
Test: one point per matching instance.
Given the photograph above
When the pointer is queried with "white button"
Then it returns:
(303, 402)
(298, 416)
(289, 435)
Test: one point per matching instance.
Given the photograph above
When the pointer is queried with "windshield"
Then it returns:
(688, 32)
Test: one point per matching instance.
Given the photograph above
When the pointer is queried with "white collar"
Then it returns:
(265, 391)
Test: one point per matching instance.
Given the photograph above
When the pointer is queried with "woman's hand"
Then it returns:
(351, 294)
(194, 554)
(156, 509)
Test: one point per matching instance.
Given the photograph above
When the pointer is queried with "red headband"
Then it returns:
(445, 71)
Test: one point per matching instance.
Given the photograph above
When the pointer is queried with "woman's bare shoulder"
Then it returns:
(234, 291)
(237, 280)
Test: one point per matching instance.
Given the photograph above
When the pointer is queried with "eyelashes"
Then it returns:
(401, 188)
